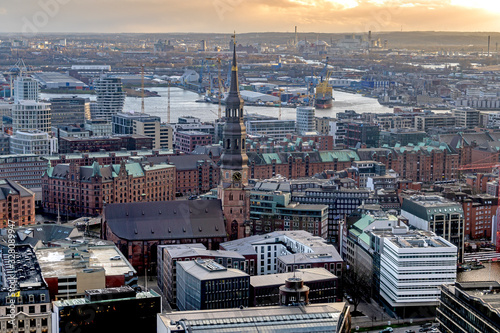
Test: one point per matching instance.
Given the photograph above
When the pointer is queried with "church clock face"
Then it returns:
(237, 176)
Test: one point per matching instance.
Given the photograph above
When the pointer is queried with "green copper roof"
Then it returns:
(133, 169)
(270, 157)
(340, 155)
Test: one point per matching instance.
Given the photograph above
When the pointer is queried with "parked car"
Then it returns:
(425, 329)
(387, 330)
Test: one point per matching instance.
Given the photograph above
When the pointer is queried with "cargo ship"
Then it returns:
(324, 95)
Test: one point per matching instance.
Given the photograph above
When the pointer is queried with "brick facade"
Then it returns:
(83, 190)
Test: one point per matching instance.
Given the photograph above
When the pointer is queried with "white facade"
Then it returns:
(337, 130)
(33, 142)
(25, 89)
(162, 134)
(494, 120)
(306, 122)
(110, 97)
(277, 129)
(31, 115)
(412, 267)
(5, 110)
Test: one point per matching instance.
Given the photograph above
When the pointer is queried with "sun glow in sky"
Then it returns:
(248, 15)
(490, 5)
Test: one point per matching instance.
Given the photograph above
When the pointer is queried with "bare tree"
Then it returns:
(356, 282)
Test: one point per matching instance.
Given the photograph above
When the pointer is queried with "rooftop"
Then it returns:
(24, 270)
(59, 261)
(209, 269)
(311, 318)
(186, 219)
(182, 251)
(317, 245)
(9, 187)
(83, 300)
(307, 275)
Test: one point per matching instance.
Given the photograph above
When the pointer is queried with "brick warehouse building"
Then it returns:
(196, 174)
(17, 204)
(138, 228)
(293, 165)
(73, 190)
(427, 161)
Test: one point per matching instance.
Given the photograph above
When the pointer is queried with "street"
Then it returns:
(400, 329)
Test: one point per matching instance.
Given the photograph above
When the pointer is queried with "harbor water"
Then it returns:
(183, 103)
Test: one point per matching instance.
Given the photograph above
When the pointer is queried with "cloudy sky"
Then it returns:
(247, 15)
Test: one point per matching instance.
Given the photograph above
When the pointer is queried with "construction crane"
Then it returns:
(324, 72)
(142, 88)
(489, 166)
(279, 96)
(219, 115)
(19, 69)
(168, 103)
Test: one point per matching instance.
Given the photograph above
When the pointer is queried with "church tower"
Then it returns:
(234, 161)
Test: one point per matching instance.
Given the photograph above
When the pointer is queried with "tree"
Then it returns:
(356, 282)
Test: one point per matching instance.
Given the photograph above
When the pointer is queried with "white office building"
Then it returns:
(413, 265)
(276, 129)
(30, 115)
(33, 142)
(306, 123)
(26, 89)
(110, 97)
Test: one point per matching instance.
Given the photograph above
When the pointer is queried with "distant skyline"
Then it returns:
(224, 16)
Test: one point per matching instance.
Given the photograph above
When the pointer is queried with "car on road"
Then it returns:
(425, 329)
(387, 330)
(409, 331)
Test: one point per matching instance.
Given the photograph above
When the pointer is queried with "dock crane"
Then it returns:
(219, 115)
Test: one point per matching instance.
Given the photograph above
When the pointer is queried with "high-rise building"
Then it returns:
(439, 215)
(306, 122)
(110, 97)
(27, 113)
(234, 161)
(409, 267)
(31, 115)
(69, 110)
(26, 89)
